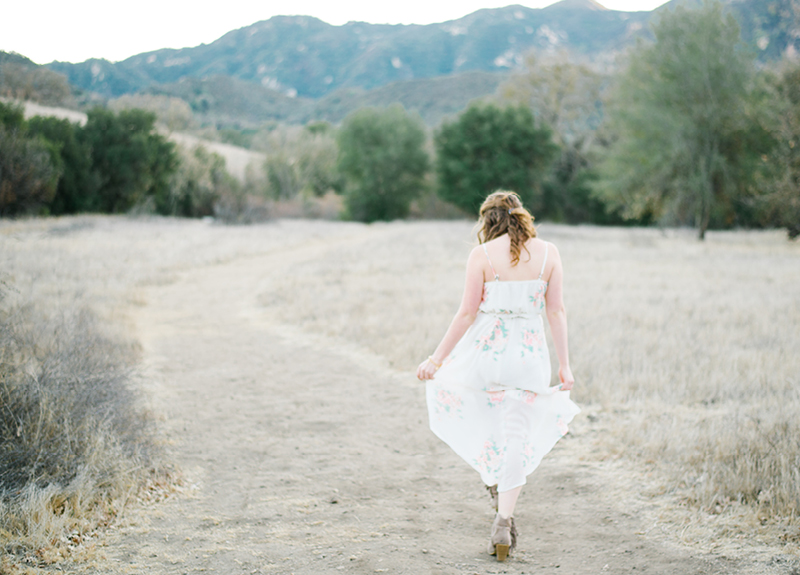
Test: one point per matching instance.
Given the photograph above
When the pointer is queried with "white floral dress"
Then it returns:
(491, 400)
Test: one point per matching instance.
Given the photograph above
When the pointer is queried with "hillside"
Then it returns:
(304, 56)
(228, 102)
(296, 69)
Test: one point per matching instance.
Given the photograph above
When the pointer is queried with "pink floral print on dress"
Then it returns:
(537, 299)
(490, 458)
(448, 403)
(495, 341)
(533, 343)
(496, 398)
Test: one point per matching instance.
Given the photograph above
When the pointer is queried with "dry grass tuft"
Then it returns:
(74, 439)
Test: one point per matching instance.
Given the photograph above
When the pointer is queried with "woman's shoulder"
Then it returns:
(537, 241)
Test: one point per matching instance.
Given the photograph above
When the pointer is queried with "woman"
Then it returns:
(489, 395)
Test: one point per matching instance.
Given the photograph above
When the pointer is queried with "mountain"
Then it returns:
(304, 56)
(227, 102)
(433, 99)
(298, 68)
(771, 28)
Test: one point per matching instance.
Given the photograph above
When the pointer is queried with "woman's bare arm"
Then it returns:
(465, 316)
(557, 317)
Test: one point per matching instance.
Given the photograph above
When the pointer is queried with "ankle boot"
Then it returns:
(504, 537)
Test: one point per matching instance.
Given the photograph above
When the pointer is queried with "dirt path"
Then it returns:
(308, 456)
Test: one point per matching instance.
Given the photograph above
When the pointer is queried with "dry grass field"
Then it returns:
(685, 355)
(687, 350)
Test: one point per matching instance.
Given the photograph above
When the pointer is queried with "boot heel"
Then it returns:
(502, 551)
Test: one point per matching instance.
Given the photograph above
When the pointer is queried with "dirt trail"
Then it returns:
(306, 456)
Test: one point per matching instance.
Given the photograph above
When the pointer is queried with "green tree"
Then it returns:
(28, 177)
(26, 81)
(12, 116)
(489, 148)
(383, 161)
(132, 160)
(299, 160)
(77, 188)
(776, 196)
(564, 94)
(196, 186)
(173, 113)
(684, 115)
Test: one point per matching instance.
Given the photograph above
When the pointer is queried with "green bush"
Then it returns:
(28, 177)
(384, 162)
(776, 199)
(131, 159)
(489, 148)
(78, 185)
(299, 160)
(196, 186)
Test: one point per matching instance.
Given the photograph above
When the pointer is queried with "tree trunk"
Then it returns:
(701, 232)
(707, 192)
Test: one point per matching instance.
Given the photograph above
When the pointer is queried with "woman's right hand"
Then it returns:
(566, 377)
(426, 370)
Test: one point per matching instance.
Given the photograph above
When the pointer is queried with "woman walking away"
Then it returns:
(488, 391)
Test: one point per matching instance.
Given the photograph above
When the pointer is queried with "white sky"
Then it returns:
(76, 30)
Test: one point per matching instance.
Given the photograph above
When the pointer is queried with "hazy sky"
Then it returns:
(76, 30)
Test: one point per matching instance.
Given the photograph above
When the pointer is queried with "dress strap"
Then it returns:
(541, 273)
(496, 277)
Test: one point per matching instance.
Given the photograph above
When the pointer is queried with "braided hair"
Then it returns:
(502, 213)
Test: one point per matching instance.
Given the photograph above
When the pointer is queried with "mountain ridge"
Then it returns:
(299, 68)
(302, 55)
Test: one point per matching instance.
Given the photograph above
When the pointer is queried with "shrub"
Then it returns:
(196, 186)
(299, 160)
(488, 148)
(78, 185)
(173, 113)
(28, 177)
(384, 162)
(132, 160)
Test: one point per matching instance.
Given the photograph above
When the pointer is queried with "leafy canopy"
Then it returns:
(489, 148)
(133, 161)
(684, 116)
(78, 185)
(383, 161)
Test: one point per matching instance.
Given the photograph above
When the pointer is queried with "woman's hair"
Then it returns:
(502, 213)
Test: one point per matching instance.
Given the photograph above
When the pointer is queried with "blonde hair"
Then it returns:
(502, 213)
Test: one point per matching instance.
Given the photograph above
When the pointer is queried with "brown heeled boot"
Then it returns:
(504, 537)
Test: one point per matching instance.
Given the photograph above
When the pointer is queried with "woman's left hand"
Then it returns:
(426, 370)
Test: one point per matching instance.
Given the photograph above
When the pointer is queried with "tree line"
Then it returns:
(688, 131)
(113, 163)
